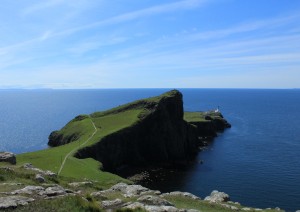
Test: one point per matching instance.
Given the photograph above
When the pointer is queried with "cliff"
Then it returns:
(159, 136)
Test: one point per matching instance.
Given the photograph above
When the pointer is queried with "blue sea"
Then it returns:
(257, 161)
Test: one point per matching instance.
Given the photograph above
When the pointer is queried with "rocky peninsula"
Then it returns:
(73, 173)
(163, 134)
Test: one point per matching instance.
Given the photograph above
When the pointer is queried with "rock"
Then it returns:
(53, 191)
(192, 210)
(111, 204)
(7, 169)
(129, 190)
(45, 173)
(153, 200)
(246, 209)
(154, 208)
(27, 166)
(13, 201)
(39, 178)
(167, 137)
(182, 194)
(234, 208)
(77, 184)
(29, 190)
(8, 157)
(135, 205)
(49, 173)
(217, 197)
(157, 192)
(102, 194)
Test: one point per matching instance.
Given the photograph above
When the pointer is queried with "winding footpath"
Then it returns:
(73, 150)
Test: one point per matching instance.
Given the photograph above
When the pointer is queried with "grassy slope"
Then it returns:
(80, 169)
(51, 158)
(76, 203)
(106, 123)
(200, 116)
(194, 116)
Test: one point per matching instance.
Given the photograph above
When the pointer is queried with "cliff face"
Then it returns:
(161, 136)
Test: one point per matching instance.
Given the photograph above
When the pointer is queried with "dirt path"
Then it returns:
(73, 150)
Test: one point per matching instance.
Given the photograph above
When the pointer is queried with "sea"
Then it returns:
(257, 161)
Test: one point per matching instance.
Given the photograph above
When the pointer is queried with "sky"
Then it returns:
(87, 44)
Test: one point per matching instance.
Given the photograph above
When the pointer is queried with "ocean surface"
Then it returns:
(257, 161)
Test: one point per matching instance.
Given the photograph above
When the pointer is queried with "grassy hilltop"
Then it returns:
(88, 131)
(78, 131)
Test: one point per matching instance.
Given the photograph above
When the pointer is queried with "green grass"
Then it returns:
(187, 203)
(51, 158)
(80, 130)
(194, 117)
(74, 204)
(200, 116)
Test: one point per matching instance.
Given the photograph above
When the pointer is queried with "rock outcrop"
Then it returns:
(181, 194)
(41, 172)
(218, 197)
(8, 157)
(14, 201)
(161, 136)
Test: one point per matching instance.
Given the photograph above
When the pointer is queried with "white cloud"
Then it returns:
(42, 5)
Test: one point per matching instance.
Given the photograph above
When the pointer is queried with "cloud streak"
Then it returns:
(108, 49)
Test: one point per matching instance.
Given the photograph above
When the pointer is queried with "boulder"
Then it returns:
(129, 190)
(29, 190)
(39, 178)
(154, 208)
(153, 200)
(77, 184)
(217, 197)
(181, 194)
(111, 204)
(8, 157)
(45, 173)
(49, 173)
(102, 194)
(27, 166)
(135, 205)
(13, 201)
(53, 191)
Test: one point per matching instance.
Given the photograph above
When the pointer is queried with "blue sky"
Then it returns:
(150, 44)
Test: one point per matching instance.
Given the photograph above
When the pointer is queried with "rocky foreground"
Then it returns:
(119, 196)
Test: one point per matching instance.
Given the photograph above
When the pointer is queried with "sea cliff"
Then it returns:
(163, 134)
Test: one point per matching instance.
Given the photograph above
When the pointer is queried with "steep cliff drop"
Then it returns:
(161, 135)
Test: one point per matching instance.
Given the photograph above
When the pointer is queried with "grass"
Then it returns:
(74, 204)
(79, 130)
(84, 202)
(51, 158)
(200, 116)
(194, 117)
(186, 203)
